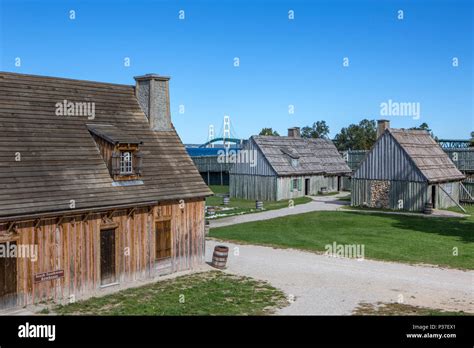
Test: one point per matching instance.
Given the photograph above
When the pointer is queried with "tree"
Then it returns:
(360, 136)
(424, 126)
(268, 131)
(319, 129)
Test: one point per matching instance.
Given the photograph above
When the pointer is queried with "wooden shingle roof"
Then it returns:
(113, 134)
(315, 156)
(426, 154)
(46, 161)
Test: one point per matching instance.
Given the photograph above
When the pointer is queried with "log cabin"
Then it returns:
(286, 167)
(96, 188)
(406, 169)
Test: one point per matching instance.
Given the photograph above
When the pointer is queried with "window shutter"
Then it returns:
(300, 181)
(138, 162)
(115, 163)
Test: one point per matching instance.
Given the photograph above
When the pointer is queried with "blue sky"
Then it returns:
(282, 62)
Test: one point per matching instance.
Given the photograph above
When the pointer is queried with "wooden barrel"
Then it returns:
(226, 200)
(219, 257)
(259, 205)
(428, 208)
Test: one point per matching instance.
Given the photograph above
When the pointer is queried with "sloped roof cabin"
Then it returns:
(285, 167)
(94, 178)
(406, 170)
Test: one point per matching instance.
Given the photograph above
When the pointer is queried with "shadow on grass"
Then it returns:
(453, 227)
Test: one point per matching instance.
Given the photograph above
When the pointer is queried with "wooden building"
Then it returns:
(208, 163)
(277, 167)
(405, 169)
(96, 188)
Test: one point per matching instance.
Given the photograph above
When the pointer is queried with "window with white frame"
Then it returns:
(126, 166)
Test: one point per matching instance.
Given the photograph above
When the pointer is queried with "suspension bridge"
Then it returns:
(227, 136)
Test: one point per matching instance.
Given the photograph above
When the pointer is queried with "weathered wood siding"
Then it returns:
(462, 158)
(413, 195)
(253, 187)
(286, 191)
(388, 161)
(253, 181)
(106, 149)
(443, 201)
(260, 167)
(74, 246)
(210, 164)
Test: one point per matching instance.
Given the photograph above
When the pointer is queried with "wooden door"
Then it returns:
(306, 187)
(107, 256)
(8, 278)
(163, 240)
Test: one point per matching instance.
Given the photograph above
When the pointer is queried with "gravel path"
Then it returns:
(324, 285)
(318, 204)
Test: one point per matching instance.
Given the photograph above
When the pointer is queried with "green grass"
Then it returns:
(219, 188)
(401, 309)
(400, 238)
(242, 206)
(207, 293)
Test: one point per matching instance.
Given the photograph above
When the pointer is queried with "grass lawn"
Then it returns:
(400, 309)
(207, 293)
(411, 239)
(242, 206)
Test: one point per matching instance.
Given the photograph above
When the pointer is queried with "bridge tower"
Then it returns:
(211, 135)
(226, 132)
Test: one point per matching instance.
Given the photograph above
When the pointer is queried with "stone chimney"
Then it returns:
(382, 125)
(294, 132)
(152, 92)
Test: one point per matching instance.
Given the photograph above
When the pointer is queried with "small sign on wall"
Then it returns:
(46, 276)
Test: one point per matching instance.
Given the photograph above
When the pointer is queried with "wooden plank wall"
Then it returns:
(253, 187)
(260, 167)
(74, 246)
(106, 149)
(462, 158)
(413, 194)
(443, 201)
(388, 161)
(210, 164)
(316, 182)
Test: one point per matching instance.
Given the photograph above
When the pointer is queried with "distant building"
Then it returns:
(277, 167)
(405, 169)
(212, 170)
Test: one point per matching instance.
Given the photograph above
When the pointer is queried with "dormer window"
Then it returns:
(120, 151)
(126, 162)
(293, 156)
(126, 165)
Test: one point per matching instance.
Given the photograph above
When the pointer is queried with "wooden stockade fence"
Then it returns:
(466, 194)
